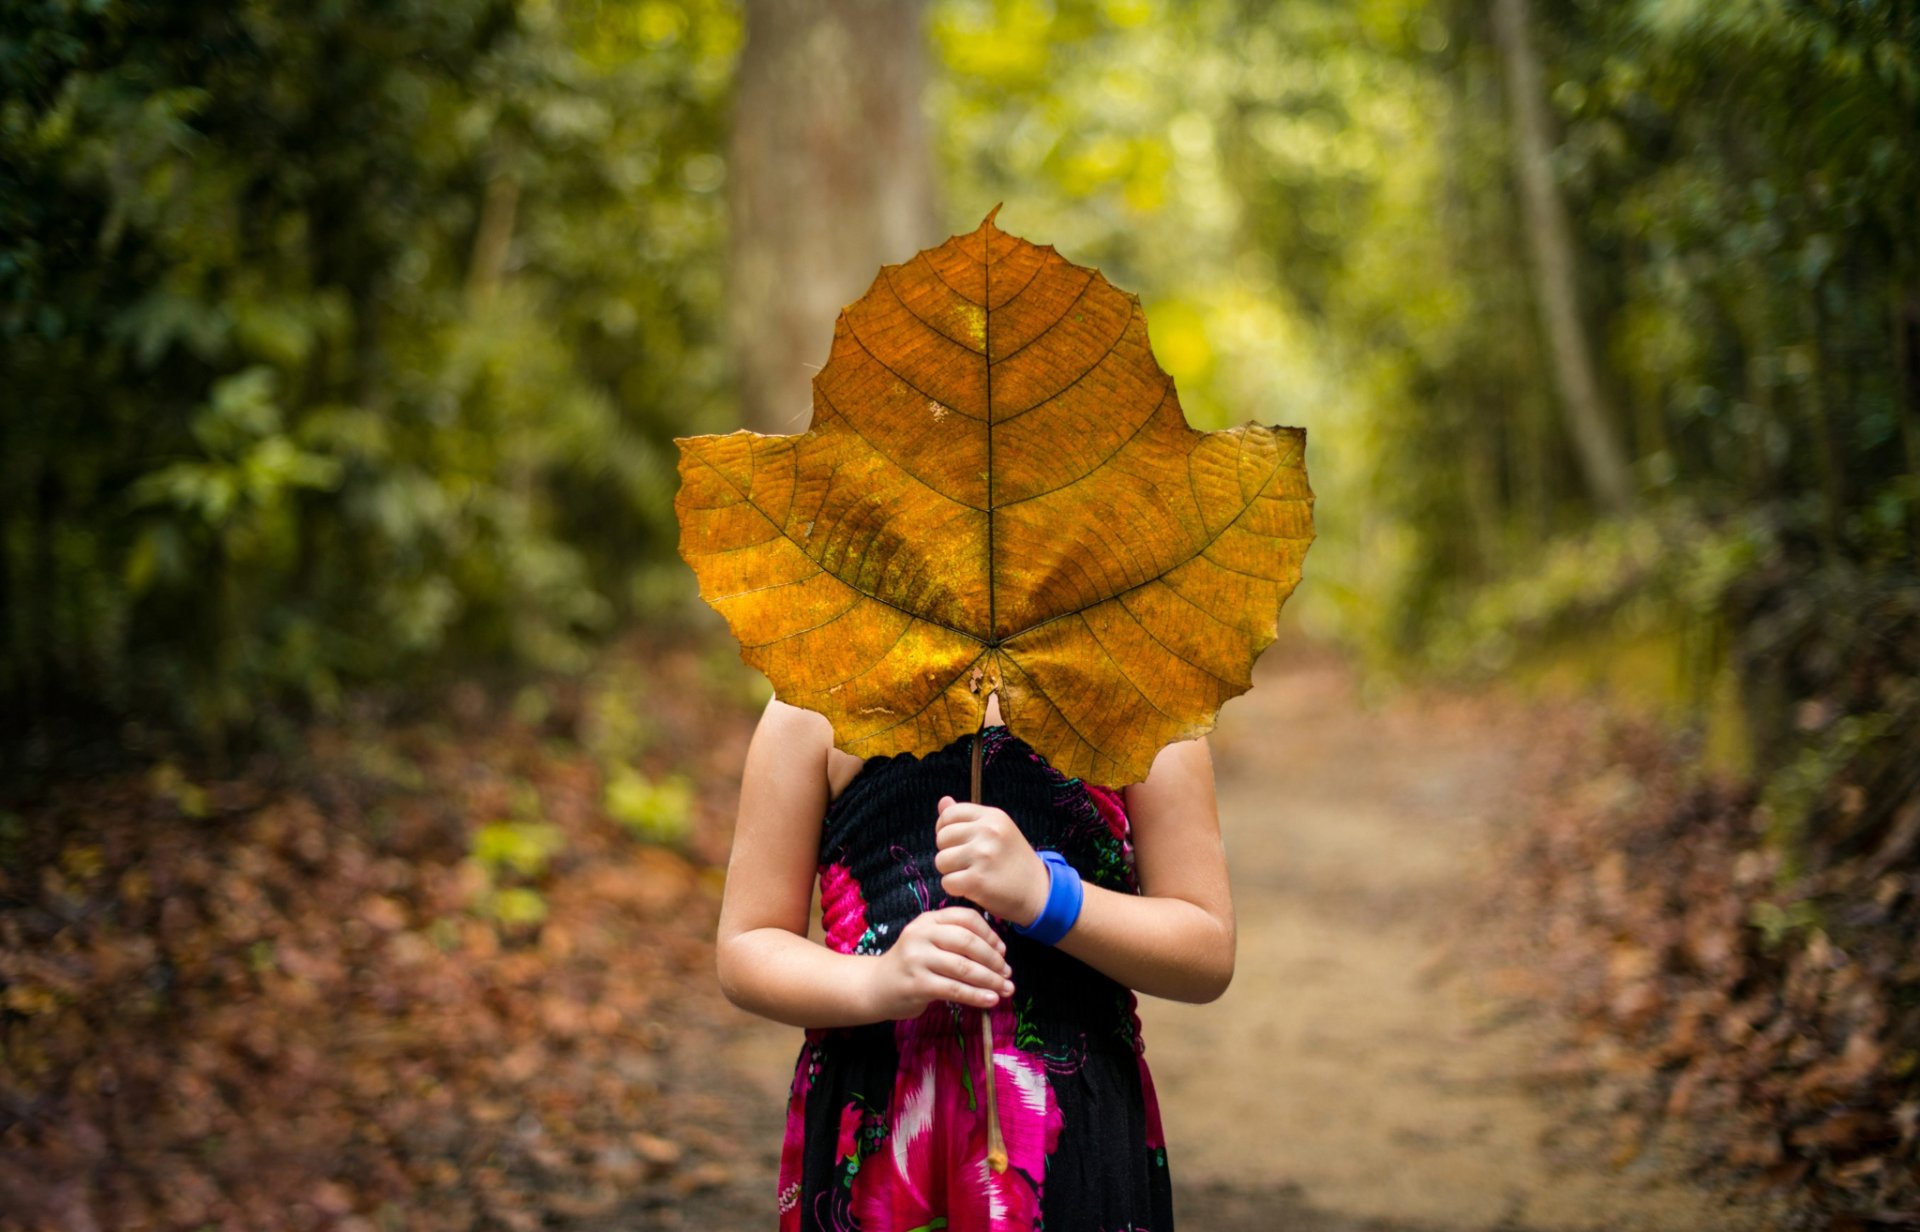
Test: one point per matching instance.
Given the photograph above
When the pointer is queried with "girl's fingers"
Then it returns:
(958, 814)
(968, 972)
(953, 827)
(971, 920)
(953, 990)
(952, 836)
(968, 943)
(951, 859)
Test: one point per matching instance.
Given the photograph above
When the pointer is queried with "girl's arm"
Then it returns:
(766, 962)
(1175, 938)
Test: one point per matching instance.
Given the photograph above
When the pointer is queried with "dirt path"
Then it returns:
(1357, 1075)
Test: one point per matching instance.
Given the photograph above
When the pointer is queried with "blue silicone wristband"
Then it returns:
(1064, 895)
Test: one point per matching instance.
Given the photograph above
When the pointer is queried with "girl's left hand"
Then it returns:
(985, 859)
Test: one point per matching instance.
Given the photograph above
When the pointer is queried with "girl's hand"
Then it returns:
(985, 859)
(945, 955)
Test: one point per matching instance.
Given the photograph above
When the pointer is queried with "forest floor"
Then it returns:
(1368, 1068)
(294, 999)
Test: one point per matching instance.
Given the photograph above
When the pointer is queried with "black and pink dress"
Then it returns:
(886, 1123)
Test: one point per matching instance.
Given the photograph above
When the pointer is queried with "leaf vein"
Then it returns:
(801, 548)
(901, 377)
(1198, 551)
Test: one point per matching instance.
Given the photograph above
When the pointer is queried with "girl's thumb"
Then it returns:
(946, 802)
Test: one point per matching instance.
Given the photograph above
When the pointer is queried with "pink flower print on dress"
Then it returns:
(793, 1146)
(1113, 810)
(934, 1163)
(1156, 1136)
(850, 1118)
(843, 912)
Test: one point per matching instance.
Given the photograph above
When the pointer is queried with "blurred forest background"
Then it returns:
(342, 347)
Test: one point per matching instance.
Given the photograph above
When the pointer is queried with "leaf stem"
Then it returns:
(996, 1145)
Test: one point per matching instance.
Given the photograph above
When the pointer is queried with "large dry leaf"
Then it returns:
(999, 492)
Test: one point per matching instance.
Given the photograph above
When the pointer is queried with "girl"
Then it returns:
(932, 910)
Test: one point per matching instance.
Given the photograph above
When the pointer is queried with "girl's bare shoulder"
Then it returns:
(807, 733)
(796, 724)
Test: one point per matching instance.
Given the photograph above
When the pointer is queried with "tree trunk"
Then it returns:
(493, 238)
(1826, 450)
(1906, 386)
(1590, 423)
(831, 176)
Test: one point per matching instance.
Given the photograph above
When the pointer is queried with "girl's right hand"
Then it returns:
(947, 955)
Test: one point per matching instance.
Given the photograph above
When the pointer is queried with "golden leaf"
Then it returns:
(999, 492)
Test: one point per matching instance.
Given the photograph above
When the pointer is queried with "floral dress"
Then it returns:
(886, 1123)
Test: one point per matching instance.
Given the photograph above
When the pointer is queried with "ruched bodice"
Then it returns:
(877, 857)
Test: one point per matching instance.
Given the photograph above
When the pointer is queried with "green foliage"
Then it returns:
(517, 905)
(1654, 571)
(1741, 195)
(1777, 923)
(342, 341)
(509, 856)
(1275, 184)
(654, 811)
(523, 848)
(618, 726)
(1316, 203)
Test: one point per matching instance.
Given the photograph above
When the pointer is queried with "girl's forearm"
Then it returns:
(793, 979)
(1164, 947)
